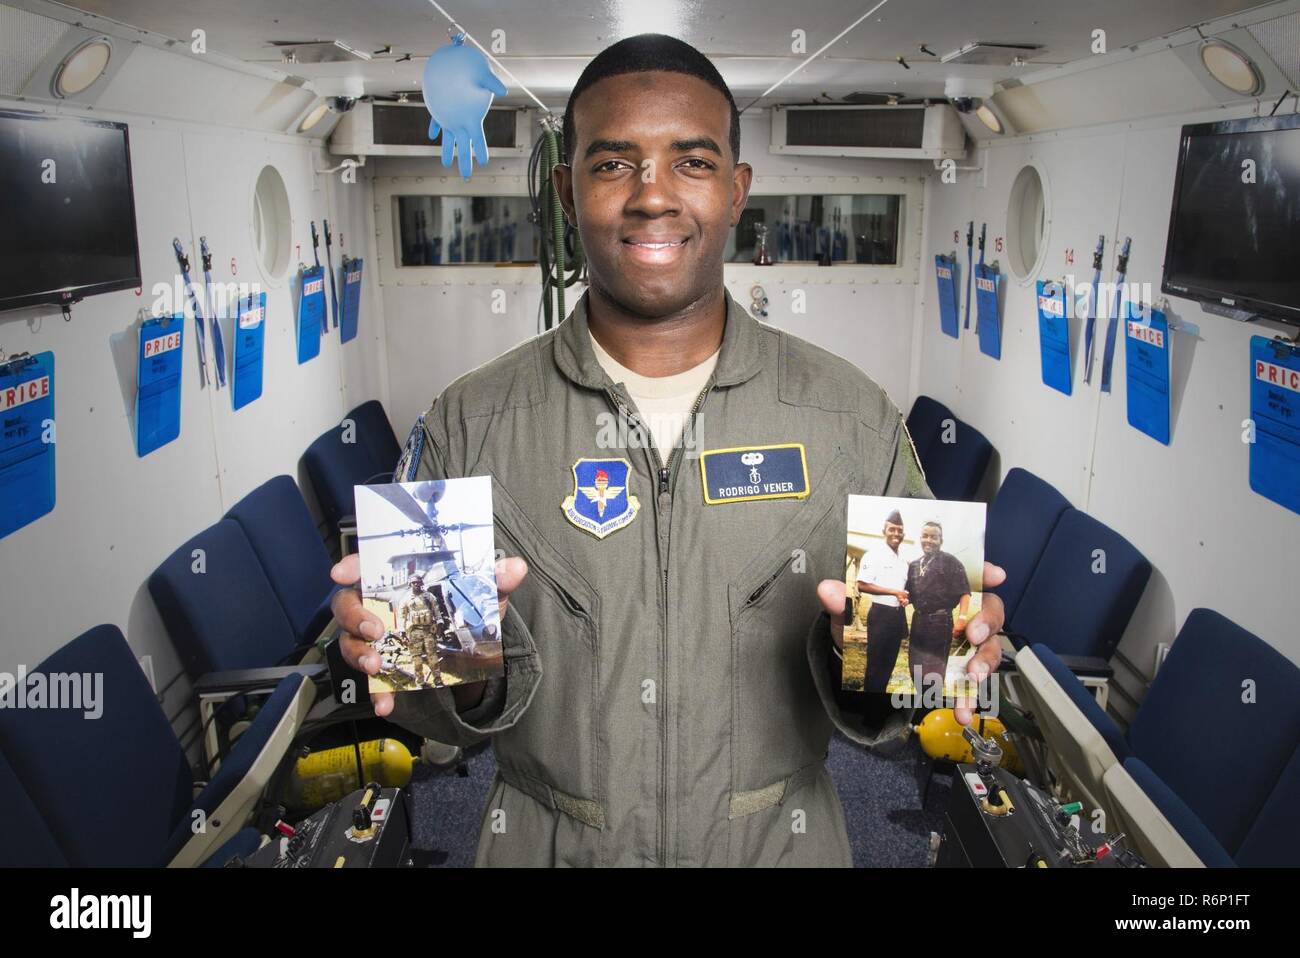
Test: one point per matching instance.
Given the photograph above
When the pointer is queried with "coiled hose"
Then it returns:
(559, 270)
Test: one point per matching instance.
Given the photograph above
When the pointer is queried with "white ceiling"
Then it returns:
(548, 42)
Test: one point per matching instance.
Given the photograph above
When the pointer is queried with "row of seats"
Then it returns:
(954, 455)
(1208, 772)
(251, 591)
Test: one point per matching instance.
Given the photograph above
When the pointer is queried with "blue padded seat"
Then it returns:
(335, 466)
(279, 527)
(376, 432)
(114, 788)
(1222, 755)
(925, 424)
(1021, 520)
(954, 470)
(1069, 607)
(228, 617)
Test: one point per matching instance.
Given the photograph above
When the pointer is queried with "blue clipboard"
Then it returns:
(311, 311)
(1146, 365)
(945, 271)
(26, 440)
(158, 383)
(250, 340)
(988, 322)
(1275, 410)
(351, 309)
(1054, 336)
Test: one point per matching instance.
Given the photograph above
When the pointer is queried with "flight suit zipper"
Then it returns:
(663, 502)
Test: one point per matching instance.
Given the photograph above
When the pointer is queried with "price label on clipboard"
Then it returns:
(351, 305)
(26, 440)
(1275, 411)
(158, 389)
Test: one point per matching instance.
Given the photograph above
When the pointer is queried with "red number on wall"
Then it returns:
(956, 236)
(997, 244)
(1069, 256)
(233, 270)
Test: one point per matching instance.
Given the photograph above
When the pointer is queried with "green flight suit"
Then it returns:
(669, 689)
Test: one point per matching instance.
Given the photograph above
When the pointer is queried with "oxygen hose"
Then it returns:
(559, 270)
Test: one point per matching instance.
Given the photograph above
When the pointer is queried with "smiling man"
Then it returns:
(671, 671)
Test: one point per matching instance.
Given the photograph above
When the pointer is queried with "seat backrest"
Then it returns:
(28, 842)
(335, 466)
(1220, 723)
(954, 470)
(376, 432)
(279, 527)
(1273, 840)
(925, 423)
(113, 788)
(1068, 606)
(221, 614)
(1021, 519)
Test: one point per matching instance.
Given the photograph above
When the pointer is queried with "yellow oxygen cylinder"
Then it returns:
(329, 775)
(941, 737)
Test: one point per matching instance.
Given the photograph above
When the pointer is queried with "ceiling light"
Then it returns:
(312, 118)
(989, 119)
(82, 67)
(1231, 67)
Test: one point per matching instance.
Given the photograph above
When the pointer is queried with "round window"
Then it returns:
(1028, 220)
(272, 225)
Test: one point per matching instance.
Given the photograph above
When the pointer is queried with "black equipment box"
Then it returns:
(368, 829)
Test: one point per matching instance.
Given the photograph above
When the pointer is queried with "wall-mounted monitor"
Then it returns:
(1232, 233)
(69, 223)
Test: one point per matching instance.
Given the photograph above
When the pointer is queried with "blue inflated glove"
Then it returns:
(458, 88)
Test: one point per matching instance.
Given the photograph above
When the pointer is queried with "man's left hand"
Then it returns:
(981, 628)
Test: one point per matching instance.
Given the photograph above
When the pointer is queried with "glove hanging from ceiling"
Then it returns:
(458, 88)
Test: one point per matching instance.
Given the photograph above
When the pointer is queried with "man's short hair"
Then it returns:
(643, 54)
(936, 525)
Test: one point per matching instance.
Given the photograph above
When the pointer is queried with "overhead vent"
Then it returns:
(28, 38)
(402, 129)
(1280, 39)
(982, 53)
(318, 51)
(897, 132)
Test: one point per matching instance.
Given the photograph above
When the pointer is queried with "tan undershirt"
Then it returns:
(664, 402)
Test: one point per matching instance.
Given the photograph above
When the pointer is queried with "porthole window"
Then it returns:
(272, 224)
(1028, 221)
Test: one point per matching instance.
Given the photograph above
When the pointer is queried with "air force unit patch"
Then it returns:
(747, 473)
(602, 501)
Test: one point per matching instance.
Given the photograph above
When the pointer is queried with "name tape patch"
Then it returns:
(749, 473)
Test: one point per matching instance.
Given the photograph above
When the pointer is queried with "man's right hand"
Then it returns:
(362, 627)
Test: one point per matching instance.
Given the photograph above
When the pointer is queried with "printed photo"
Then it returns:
(914, 571)
(428, 571)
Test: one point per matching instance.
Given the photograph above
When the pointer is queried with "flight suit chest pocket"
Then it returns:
(555, 742)
(778, 722)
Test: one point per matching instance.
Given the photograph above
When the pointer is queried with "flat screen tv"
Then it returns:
(1233, 234)
(68, 228)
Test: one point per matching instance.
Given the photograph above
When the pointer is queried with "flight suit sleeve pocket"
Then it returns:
(432, 712)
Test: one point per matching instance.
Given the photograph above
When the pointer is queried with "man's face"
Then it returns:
(893, 535)
(653, 189)
(931, 540)
(417, 586)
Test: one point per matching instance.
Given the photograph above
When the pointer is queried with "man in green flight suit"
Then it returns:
(671, 669)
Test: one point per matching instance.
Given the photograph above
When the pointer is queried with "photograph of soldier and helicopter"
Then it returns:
(428, 572)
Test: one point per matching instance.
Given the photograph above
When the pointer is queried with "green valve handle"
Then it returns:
(1072, 808)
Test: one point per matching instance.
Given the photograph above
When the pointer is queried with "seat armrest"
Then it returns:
(236, 681)
(1088, 666)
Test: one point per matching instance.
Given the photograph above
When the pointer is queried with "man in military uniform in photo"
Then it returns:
(936, 582)
(881, 578)
(417, 617)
